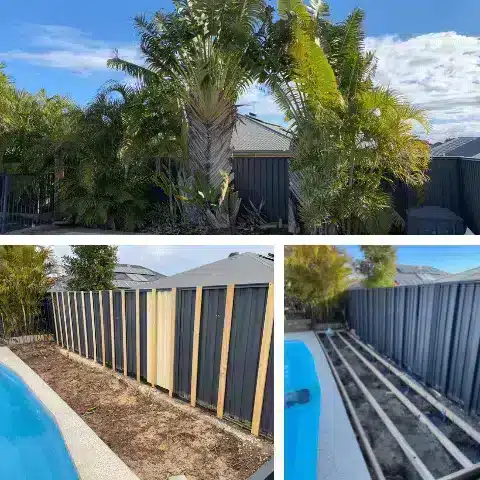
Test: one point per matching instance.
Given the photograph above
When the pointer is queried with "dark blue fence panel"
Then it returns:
(435, 333)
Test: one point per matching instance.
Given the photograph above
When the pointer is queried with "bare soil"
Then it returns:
(155, 438)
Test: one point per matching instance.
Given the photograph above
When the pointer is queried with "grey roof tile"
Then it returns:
(458, 147)
(241, 269)
(254, 135)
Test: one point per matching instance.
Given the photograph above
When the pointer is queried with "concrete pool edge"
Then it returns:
(92, 457)
(336, 432)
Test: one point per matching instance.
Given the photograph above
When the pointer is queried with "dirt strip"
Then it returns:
(155, 438)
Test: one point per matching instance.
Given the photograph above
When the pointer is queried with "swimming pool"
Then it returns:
(301, 412)
(31, 445)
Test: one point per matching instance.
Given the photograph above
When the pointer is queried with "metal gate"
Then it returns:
(26, 201)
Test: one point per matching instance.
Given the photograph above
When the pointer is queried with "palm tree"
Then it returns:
(352, 137)
(207, 50)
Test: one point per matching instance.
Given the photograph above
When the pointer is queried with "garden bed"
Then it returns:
(154, 436)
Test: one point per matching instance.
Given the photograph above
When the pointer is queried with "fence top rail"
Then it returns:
(163, 289)
(441, 157)
(425, 285)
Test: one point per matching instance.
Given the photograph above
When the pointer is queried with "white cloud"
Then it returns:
(58, 46)
(439, 72)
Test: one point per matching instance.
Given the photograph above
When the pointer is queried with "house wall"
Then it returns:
(264, 179)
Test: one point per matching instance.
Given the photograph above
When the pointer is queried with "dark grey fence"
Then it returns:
(432, 331)
(26, 201)
(453, 184)
(248, 315)
(88, 335)
(263, 179)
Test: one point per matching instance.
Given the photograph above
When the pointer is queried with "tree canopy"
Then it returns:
(379, 265)
(91, 267)
(316, 274)
(25, 276)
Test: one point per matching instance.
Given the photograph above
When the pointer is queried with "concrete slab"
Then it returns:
(93, 458)
(339, 455)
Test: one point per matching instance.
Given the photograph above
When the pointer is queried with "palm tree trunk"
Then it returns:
(209, 145)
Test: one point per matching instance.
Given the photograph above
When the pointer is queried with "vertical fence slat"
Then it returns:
(124, 329)
(70, 318)
(65, 319)
(75, 305)
(102, 328)
(172, 342)
(84, 324)
(55, 319)
(263, 362)
(112, 328)
(196, 343)
(59, 316)
(94, 333)
(227, 325)
(152, 320)
(137, 331)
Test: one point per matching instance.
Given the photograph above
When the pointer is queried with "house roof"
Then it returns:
(467, 275)
(238, 268)
(255, 136)
(134, 276)
(459, 147)
(417, 274)
(409, 275)
(126, 276)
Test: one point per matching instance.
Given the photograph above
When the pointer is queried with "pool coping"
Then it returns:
(339, 454)
(92, 457)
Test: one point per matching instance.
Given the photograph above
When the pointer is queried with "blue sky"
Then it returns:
(428, 50)
(171, 259)
(451, 259)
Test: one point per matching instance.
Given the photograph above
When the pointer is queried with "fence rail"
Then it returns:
(210, 346)
(430, 330)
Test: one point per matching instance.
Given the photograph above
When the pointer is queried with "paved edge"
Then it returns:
(92, 457)
(339, 454)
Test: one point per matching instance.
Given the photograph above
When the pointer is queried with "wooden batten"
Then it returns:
(263, 361)
(196, 345)
(75, 306)
(55, 319)
(172, 342)
(102, 328)
(94, 333)
(227, 326)
(112, 328)
(85, 336)
(124, 330)
(152, 337)
(137, 331)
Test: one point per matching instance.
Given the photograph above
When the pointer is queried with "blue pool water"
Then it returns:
(301, 413)
(31, 445)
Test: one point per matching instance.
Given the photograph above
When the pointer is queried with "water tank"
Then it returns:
(434, 221)
(301, 413)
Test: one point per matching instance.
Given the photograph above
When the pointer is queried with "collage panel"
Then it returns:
(136, 362)
(381, 362)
